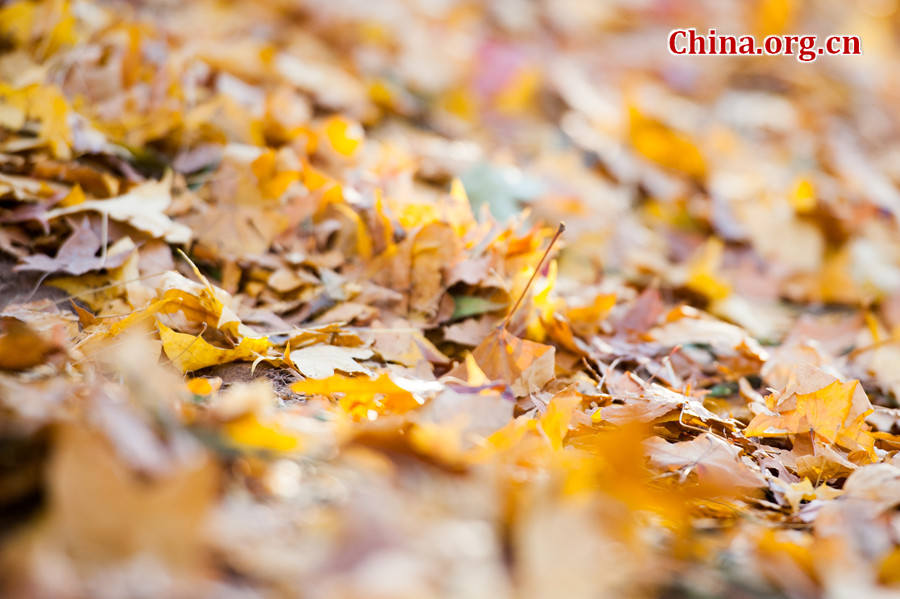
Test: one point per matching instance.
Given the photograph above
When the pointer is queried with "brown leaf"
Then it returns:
(76, 256)
(716, 462)
(470, 331)
(102, 511)
(21, 347)
(435, 247)
(524, 365)
(643, 313)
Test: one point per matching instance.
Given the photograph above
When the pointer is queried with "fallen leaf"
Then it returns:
(143, 207)
(190, 353)
(407, 346)
(465, 306)
(22, 347)
(470, 332)
(247, 431)
(825, 412)
(663, 145)
(524, 365)
(76, 256)
(203, 385)
(716, 462)
(102, 511)
(320, 361)
(361, 397)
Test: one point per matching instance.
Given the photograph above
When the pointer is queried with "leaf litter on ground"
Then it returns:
(283, 311)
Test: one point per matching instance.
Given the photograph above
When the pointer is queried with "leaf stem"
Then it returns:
(559, 231)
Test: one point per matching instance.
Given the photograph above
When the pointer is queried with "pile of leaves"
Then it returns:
(286, 307)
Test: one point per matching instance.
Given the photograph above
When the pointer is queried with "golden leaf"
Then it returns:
(702, 274)
(249, 432)
(361, 397)
(344, 136)
(191, 353)
(823, 412)
(664, 146)
(525, 365)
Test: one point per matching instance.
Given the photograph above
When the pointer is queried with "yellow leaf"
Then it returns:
(524, 365)
(191, 353)
(22, 347)
(595, 312)
(804, 490)
(17, 20)
(702, 274)
(363, 239)
(889, 568)
(73, 198)
(276, 185)
(823, 412)
(202, 385)
(795, 550)
(62, 32)
(543, 304)
(555, 421)
(460, 103)
(361, 397)
(518, 95)
(344, 135)
(250, 432)
(315, 179)
(803, 196)
(774, 16)
(47, 105)
(505, 438)
(664, 146)
(263, 166)
(476, 376)
(381, 92)
(836, 283)
(441, 441)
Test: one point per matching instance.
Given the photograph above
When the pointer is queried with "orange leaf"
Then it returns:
(361, 397)
(823, 412)
(250, 432)
(525, 365)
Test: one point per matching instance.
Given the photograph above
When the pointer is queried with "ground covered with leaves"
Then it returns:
(286, 308)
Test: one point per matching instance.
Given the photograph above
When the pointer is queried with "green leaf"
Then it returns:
(466, 305)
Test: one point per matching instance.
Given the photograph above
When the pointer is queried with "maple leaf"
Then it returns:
(525, 365)
(824, 412)
(246, 215)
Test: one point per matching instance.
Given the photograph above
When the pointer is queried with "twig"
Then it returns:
(559, 231)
